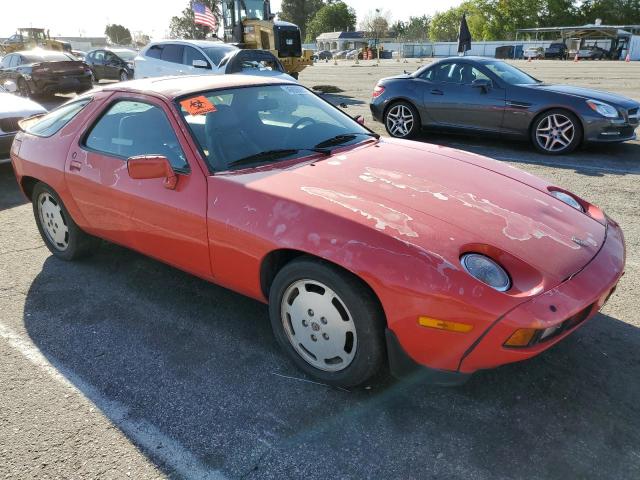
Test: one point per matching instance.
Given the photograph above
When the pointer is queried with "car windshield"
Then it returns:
(510, 74)
(125, 54)
(216, 54)
(251, 126)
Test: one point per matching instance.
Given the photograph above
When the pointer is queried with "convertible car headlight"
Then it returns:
(486, 270)
(568, 199)
(603, 109)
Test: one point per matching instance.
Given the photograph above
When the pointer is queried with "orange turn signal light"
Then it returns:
(521, 337)
(445, 325)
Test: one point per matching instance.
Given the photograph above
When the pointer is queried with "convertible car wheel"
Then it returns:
(556, 132)
(58, 230)
(328, 322)
(401, 120)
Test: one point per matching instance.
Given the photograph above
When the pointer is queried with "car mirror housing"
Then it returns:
(200, 64)
(145, 167)
(483, 84)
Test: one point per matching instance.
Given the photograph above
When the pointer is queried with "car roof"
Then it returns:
(467, 59)
(197, 43)
(177, 86)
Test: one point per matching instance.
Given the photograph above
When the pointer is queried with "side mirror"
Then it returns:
(359, 119)
(144, 167)
(483, 84)
(200, 64)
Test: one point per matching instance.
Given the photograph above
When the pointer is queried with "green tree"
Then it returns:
(416, 29)
(118, 34)
(185, 27)
(335, 16)
(612, 12)
(300, 12)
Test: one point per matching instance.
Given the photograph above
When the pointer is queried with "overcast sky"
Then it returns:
(89, 17)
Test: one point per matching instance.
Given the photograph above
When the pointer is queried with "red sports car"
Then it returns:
(367, 250)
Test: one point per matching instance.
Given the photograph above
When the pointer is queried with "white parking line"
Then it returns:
(143, 433)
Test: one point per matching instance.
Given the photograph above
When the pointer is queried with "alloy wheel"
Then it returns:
(53, 222)
(400, 120)
(318, 325)
(555, 132)
(124, 76)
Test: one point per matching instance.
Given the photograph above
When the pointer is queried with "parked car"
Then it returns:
(557, 50)
(12, 110)
(534, 52)
(322, 55)
(79, 54)
(476, 94)
(341, 54)
(367, 250)
(41, 72)
(199, 57)
(111, 64)
(353, 54)
(592, 52)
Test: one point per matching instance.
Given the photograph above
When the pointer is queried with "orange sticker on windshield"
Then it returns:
(198, 105)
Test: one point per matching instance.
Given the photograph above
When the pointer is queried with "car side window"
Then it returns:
(15, 61)
(109, 57)
(172, 53)
(154, 52)
(99, 55)
(130, 128)
(191, 54)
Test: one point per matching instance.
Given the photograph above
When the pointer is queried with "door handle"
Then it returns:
(75, 165)
(435, 91)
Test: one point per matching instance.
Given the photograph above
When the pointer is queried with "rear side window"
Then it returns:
(191, 54)
(172, 53)
(53, 121)
(155, 51)
(131, 128)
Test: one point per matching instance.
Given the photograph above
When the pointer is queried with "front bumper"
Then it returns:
(570, 305)
(603, 130)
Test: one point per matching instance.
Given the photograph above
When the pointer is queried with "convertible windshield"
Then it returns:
(510, 74)
(242, 127)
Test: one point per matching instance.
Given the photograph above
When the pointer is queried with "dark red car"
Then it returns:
(367, 250)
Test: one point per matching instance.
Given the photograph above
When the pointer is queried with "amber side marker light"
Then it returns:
(521, 337)
(444, 325)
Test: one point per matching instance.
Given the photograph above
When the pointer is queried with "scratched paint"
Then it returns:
(383, 216)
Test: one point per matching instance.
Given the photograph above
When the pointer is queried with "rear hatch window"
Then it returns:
(50, 123)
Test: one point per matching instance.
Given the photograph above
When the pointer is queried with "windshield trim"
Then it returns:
(203, 157)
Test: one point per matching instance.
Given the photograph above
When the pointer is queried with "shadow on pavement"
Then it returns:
(199, 364)
(10, 195)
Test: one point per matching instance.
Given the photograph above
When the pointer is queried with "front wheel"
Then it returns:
(402, 120)
(60, 233)
(23, 88)
(328, 322)
(124, 76)
(556, 132)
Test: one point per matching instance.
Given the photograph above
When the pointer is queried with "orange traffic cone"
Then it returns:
(576, 59)
(627, 58)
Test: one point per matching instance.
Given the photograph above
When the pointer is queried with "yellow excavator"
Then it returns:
(250, 24)
(28, 38)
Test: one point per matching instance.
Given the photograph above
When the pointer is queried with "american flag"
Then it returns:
(204, 16)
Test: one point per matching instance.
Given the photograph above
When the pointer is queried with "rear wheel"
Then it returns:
(328, 322)
(60, 233)
(556, 132)
(23, 88)
(402, 120)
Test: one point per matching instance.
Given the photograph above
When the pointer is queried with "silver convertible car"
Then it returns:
(485, 95)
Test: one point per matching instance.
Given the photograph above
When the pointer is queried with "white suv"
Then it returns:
(201, 57)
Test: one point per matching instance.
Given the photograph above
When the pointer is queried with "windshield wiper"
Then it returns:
(275, 155)
(343, 138)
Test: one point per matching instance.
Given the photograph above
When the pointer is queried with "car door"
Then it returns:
(192, 55)
(5, 68)
(167, 224)
(451, 99)
(98, 64)
(111, 66)
(172, 58)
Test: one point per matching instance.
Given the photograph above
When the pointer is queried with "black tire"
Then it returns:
(570, 146)
(94, 79)
(23, 88)
(359, 304)
(78, 243)
(398, 131)
(124, 76)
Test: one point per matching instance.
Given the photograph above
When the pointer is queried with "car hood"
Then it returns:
(14, 106)
(587, 93)
(402, 187)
